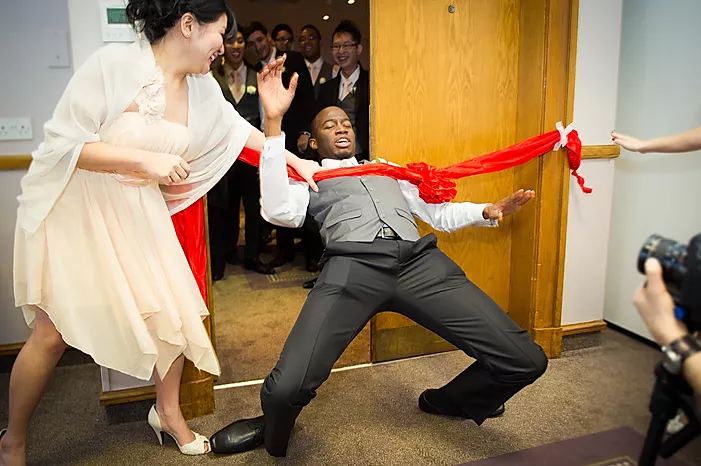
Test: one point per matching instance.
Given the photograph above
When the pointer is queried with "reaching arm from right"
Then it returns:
(687, 141)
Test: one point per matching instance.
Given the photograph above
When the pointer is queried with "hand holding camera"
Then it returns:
(656, 306)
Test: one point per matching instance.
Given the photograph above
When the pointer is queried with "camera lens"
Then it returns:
(671, 255)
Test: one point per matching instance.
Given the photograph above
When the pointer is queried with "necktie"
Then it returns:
(346, 90)
(312, 73)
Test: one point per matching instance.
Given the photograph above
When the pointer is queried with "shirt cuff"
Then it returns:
(486, 222)
(273, 146)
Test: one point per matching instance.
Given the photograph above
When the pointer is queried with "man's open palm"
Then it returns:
(274, 98)
(508, 205)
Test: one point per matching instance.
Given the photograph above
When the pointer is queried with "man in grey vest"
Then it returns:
(376, 261)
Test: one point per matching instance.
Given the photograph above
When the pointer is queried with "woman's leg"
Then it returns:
(168, 403)
(30, 375)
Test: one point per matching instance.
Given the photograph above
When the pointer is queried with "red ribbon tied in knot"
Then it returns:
(433, 188)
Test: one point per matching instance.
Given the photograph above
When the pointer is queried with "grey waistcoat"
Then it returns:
(354, 208)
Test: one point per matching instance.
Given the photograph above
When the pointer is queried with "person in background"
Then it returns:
(239, 84)
(350, 90)
(295, 122)
(283, 37)
(310, 46)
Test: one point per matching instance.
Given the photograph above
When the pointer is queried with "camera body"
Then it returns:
(681, 271)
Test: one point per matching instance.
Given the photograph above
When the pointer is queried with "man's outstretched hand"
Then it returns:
(508, 205)
(274, 98)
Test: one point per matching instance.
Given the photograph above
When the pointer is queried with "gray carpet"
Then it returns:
(365, 416)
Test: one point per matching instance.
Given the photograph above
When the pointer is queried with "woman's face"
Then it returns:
(233, 52)
(204, 42)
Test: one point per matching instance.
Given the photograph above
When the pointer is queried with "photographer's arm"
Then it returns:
(692, 372)
(656, 307)
(687, 141)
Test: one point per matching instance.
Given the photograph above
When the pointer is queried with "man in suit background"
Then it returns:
(310, 46)
(239, 85)
(350, 90)
(296, 121)
(283, 37)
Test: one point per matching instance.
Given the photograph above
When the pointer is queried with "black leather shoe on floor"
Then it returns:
(280, 260)
(431, 402)
(257, 266)
(239, 436)
(309, 284)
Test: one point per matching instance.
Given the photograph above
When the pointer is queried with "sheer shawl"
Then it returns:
(100, 91)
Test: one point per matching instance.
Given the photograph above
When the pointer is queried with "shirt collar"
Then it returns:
(317, 64)
(333, 163)
(353, 77)
(273, 52)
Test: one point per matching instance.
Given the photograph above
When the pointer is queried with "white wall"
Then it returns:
(29, 89)
(659, 94)
(588, 222)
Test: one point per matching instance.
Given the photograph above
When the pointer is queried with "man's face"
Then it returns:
(345, 50)
(283, 41)
(309, 44)
(259, 43)
(334, 137)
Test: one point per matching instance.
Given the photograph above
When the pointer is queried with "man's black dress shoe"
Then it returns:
(239, 436)
(430, 401)
(309, 284)
(282, 259)
(258, 266)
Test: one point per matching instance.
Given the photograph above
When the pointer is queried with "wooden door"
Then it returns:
(451, 80)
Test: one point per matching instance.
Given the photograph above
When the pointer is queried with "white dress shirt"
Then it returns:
(236, 79)
(284, 202)
(346, 84)
(271, 57)
(314, 68)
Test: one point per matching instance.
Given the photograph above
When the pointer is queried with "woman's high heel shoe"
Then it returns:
(199, 446)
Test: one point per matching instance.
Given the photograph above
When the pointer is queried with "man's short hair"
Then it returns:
(282, 27)
(347, 26)
(311, 26)
(252, 27)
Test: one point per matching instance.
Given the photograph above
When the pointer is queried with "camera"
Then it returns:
(681, 271)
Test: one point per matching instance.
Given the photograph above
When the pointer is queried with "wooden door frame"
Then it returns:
(547, 55)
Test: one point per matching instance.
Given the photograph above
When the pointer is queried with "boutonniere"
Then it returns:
(322, 80)
(251, 90)
(353, 89)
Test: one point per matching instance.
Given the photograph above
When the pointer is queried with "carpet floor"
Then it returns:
(366, 416)
(252, 322)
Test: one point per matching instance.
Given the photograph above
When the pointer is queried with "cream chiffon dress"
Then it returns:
(107, 266)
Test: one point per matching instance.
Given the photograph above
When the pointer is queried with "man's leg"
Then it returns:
(349, 292)
(434, 292)
(254, 221)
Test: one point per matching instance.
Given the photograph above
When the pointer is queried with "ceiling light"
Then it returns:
(325, 17)
(350, 2)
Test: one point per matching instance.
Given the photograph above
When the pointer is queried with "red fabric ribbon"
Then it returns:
(189, 226)
(436, 185)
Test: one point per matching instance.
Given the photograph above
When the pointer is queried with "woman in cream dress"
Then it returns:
(98, 265)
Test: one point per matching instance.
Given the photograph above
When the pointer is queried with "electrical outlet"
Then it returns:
(16, 129)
